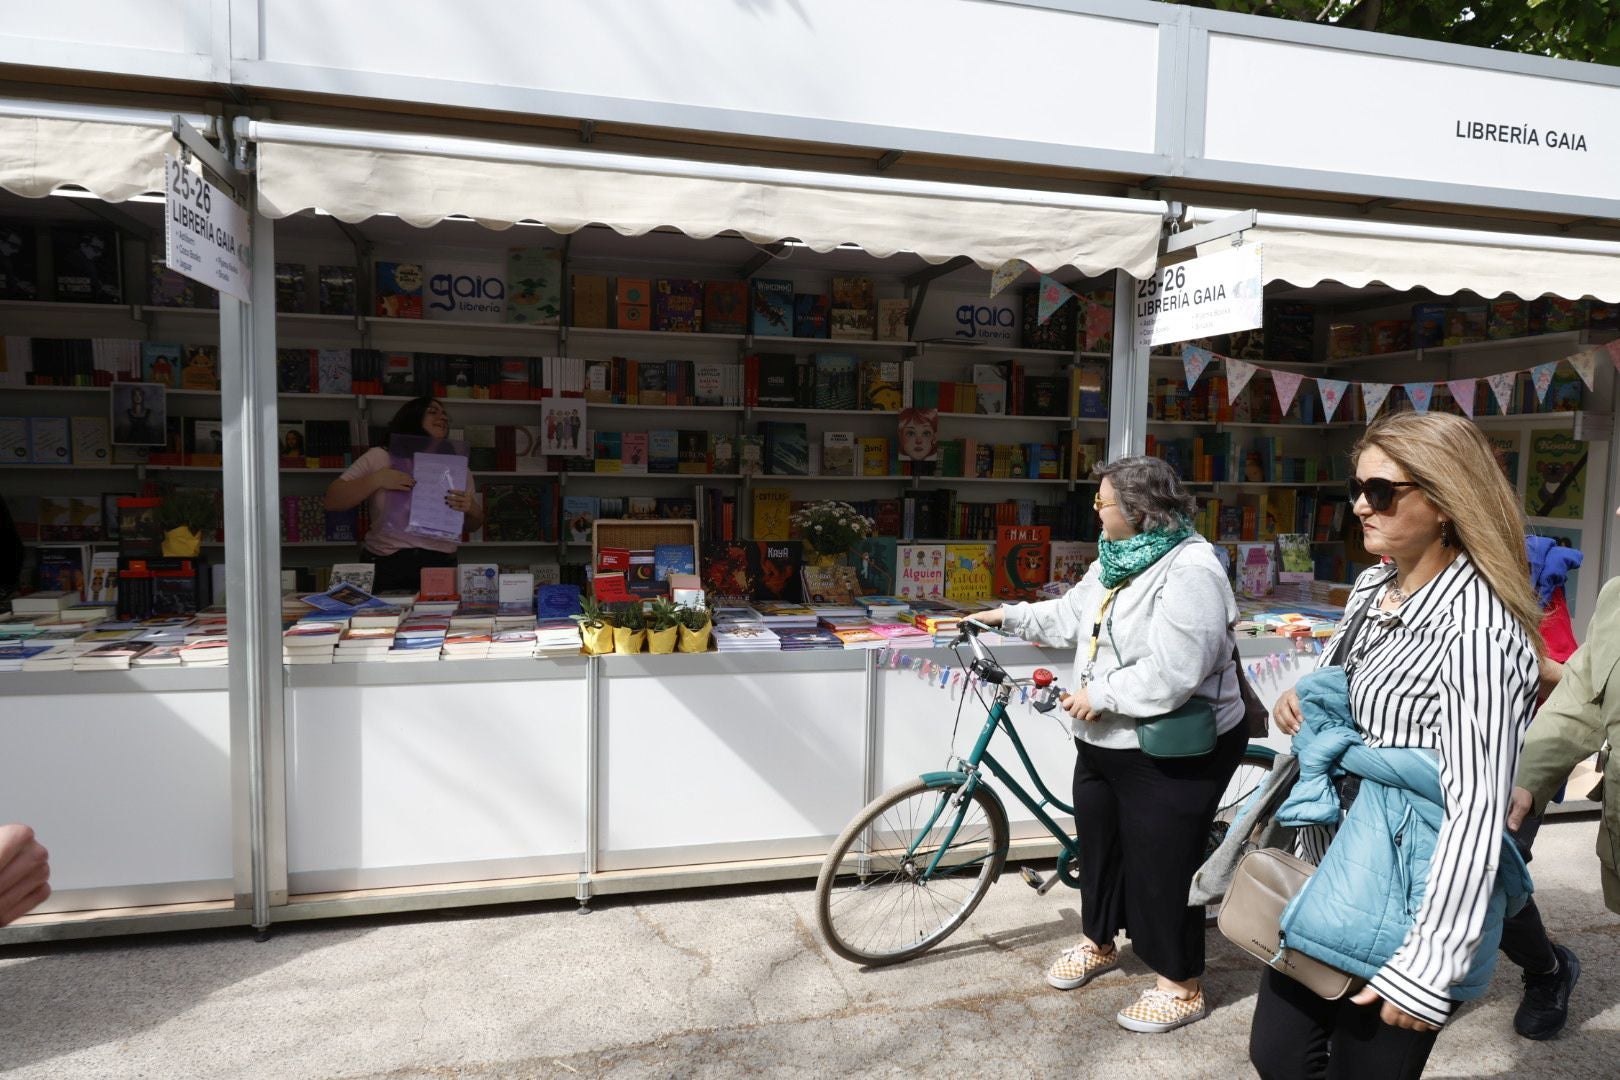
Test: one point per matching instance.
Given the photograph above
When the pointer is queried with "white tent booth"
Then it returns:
(265, 794)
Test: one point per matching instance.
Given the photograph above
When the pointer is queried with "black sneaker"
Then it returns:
(1545, 1007)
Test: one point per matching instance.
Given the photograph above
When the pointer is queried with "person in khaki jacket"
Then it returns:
(1578, 718)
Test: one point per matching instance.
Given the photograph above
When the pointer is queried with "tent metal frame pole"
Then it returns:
(1131, 377)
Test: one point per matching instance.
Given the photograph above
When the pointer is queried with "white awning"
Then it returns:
(1307, 250)
(354, 175)
(112, 153)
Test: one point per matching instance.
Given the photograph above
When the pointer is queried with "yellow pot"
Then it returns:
(628, 641)
(662, 641)
(181, 543)
(695, 640)
(598, 640)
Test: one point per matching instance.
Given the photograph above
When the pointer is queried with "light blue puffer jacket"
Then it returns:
(1357, 908)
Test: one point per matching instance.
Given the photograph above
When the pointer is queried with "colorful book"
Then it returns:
(160, 363)
(725, 307)
(967, 572)
(875, 562)
(771, 307)
(920, 571)
(772, 513)
(1069, 560)
(534, 285)
(399, 290)
(1023, 561)
(838, 453)
(810, 315)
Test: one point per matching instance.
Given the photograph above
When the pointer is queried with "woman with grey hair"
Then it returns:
(1151, 622)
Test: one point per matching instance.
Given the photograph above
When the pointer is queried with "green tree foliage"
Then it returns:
(1567, 29)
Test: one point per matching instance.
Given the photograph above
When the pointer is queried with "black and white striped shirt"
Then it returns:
(1452, 671)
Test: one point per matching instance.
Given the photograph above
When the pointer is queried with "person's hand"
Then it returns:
(458, 500)
(1287, 712)
(1392, 1015)
(25, 872)
(989, 616)
(1078, 705)
(1520, 804)
(394, 480)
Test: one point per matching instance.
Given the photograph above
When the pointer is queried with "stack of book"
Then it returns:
(516, 643)
(363, 644)
(741, 630)
(806, 640)
(206, 650)
(785, 616)
(419, 638)
(469, 644)
(311, 640)
(556, 637)
(109, 656)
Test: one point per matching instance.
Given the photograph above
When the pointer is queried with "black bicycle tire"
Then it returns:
(994, 813)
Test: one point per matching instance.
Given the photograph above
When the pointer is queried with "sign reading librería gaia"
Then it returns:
(1212, 294)
(206, 234)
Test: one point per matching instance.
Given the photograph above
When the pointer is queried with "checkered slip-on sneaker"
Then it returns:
(1078, 965)
(1158, 1011)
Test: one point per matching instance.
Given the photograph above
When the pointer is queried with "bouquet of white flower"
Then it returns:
(832, 528)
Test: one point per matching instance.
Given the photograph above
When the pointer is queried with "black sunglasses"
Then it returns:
(1380, 492)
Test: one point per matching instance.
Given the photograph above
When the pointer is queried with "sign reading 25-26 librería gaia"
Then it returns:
(1212, 294)
(205, 232)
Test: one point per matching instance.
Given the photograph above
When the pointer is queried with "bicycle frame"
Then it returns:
(967, 779)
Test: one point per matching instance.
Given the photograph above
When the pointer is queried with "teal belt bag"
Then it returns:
(1180, 733)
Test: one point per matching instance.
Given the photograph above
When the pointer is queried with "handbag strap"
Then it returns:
(1347, 644)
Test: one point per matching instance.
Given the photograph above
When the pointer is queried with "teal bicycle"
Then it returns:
(915, 863)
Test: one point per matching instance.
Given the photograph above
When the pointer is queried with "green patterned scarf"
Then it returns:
(1124, 559)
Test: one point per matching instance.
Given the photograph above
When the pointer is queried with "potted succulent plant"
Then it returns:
(697, 625)
(185, 515)
(629, 628)
(666, 623)
(595, 629)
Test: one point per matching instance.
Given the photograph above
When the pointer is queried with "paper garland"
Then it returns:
(1541, 375)
(1419, 394)
(1287, 383)
(1372, 397)
(1193, 361)
(1374, 394)
(1238, 374)
(1462, 392)
(1054, 294)
(1331, 392)
(1005, 274)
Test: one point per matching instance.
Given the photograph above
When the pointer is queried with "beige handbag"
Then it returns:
(1265, 880)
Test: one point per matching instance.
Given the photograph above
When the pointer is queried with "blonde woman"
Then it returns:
(1446, 659)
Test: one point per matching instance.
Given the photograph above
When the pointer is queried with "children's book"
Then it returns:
(1022, 561)
(399, 290)
(772, 513)
(920, 571)
(534, 285)
(1295, 551)
(1069, 560)
(967, 572)
(830, 584)
(875, 564)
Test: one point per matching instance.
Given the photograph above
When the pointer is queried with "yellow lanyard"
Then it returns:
(1096, 632)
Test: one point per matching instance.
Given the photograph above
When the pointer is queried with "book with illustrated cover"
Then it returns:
(399, 290)
(838, 453)
(1555, 485)
(664, 453)
(730, 568)
(750, 455)
(160, 363)
(293, 371)
(772, 513)
(1069, 560)
(779, 562)
(853, 307)
(478, 583)
(199, 368)
(778, 379)
(292, 287)
(678, 305)
(771, 307)
(335, 370)
(967, 572)
(835, 378)
(579, 513)
(671, 559)
(534, 285)
(880, 388)
(693, 448)
(874, 559)
(1294, 550)
(363, 575)
(633, 451)
(725, 307)
(517, 512)
(338, 292)
(88, 263)
(1256, 568)
(920, 573)
(894, 319)
(1023, 561)
(990, 386)
(873, 453)
(787, 451)
(810, 319)
(830, 584)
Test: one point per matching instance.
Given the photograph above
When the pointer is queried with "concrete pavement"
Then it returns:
(719, 983)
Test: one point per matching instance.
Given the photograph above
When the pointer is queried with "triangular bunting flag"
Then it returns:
(1372, 397)
(1585, 365)
(1194, 360)
(1613, 348)
(1419, 394)
(1238, 374)
(1005, 274)
(1332, 392)
(1542, 375)
(1462, 392)
(1287, 383)
(1054, 294)
(1502, 387)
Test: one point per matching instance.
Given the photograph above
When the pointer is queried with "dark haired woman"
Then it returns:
(400, 556)
(1152, 624)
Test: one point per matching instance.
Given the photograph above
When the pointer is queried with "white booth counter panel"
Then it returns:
(397, 776)
(725, 757)
(126, 778)
(916, 716)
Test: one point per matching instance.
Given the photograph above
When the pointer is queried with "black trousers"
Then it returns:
(1524, 938)
(1143, 829)
(1298, 1036)
(402, 571)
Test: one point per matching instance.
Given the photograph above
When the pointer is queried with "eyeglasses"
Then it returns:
(1099, 503)
(1380, 492)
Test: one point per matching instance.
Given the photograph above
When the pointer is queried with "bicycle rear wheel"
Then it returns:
(1250, 775)
(875, 901)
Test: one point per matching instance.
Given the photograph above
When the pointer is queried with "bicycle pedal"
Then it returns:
(1033, 879)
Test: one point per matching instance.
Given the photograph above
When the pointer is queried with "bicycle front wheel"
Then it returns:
(876, 900)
